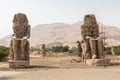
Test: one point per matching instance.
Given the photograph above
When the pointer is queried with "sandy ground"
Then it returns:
(70, 74)
(59, 68)
(5, 75)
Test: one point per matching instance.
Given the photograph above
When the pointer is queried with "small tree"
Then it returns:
(79, 49)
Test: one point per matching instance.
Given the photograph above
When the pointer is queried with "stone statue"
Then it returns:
(19, 47)
(91, 42)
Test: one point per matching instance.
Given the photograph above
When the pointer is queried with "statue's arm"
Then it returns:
(28, 31)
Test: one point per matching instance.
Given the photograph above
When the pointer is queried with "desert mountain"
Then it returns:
(64, 33)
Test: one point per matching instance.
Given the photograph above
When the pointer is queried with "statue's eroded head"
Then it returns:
(90, 19)
(20, 18)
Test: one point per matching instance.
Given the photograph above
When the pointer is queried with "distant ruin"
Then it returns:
(19, 47)
(91, 41)
(43, 49)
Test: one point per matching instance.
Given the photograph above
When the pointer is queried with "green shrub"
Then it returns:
(60, 49)
(116, 50)
(4, 51)
(108, 50)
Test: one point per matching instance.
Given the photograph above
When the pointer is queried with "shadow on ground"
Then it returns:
(5, 78)
(38, 66)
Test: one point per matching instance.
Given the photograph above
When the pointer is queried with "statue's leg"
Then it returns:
(94, 50)
(11, 51)
(83, 51)
(25, 50)
(28, 50)
(16, 49)
(100, 48)
(82, 59)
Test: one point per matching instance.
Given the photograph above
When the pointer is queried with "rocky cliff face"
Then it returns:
(65, 33)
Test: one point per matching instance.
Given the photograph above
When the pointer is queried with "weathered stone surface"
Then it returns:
(19, 64)
(19, 50)
(90, 20)
(97, 47)
(19, 47)
(21, 27)
(91, 42)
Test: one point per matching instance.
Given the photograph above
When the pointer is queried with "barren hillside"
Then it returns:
(65, 33)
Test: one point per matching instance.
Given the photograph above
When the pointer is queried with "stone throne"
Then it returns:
(19, 46)
(91, 42)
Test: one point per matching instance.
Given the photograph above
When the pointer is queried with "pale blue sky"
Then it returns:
(52, 11)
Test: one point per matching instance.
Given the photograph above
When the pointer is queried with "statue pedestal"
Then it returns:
(19, 64)
(19, 53)
(98, 62)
